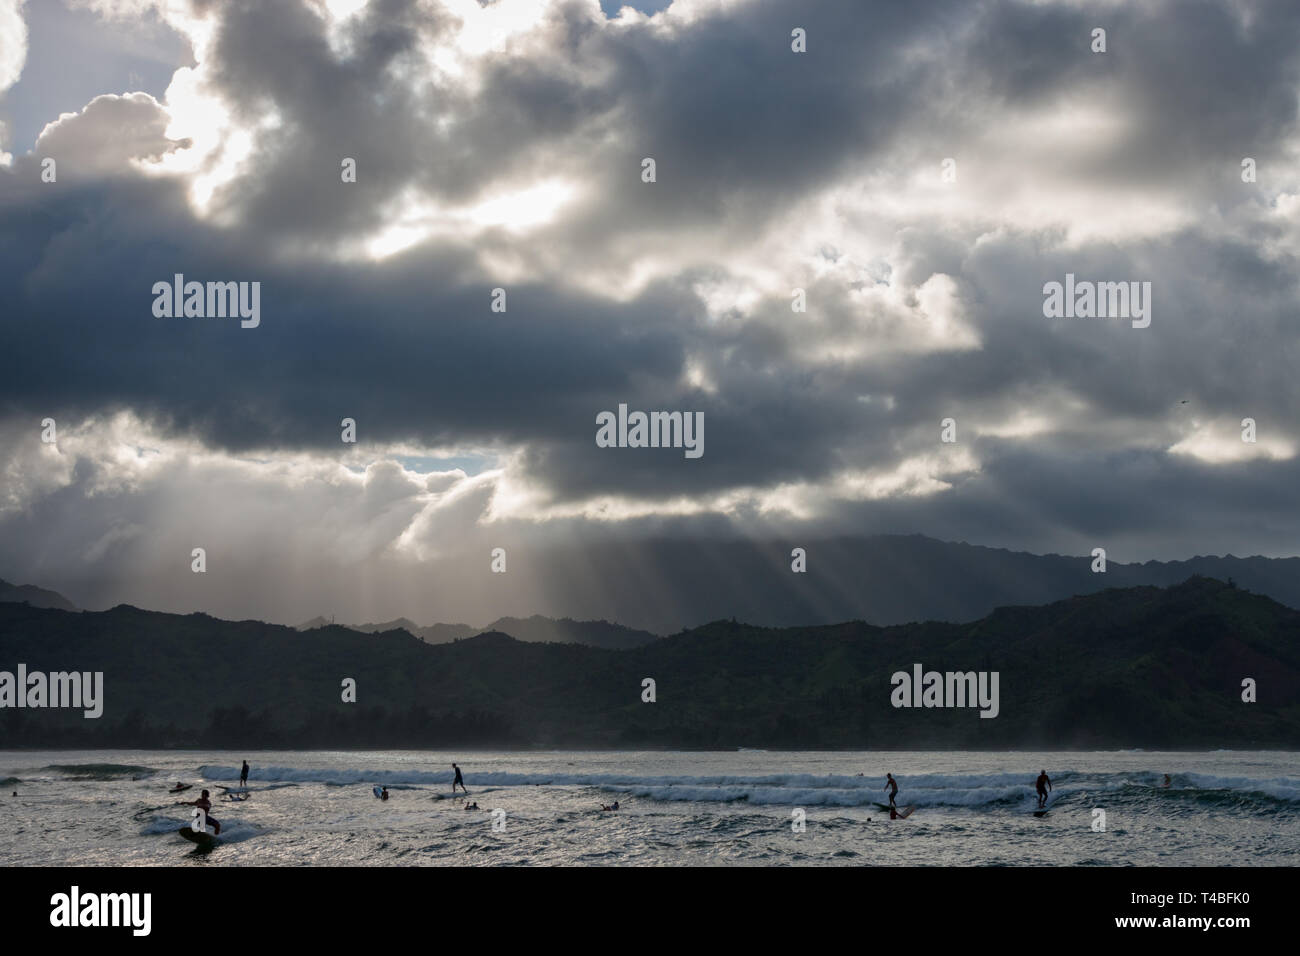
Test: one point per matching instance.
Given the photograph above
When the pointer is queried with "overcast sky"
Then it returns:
(500, 145)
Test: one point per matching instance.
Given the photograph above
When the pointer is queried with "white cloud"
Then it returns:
(13, 42)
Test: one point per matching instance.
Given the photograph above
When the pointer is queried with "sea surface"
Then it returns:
(1233, 808)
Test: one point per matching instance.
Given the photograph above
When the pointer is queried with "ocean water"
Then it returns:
(1232, 808)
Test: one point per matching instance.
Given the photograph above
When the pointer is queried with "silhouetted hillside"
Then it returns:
(538, 629)
(885, 579)
(36, 597)
(535, 629)
(1135, 667)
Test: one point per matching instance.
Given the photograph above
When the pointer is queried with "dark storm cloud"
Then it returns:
(744, 132)
(410, 352)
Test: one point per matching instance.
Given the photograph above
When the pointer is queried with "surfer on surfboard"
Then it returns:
(892, 787)
(1043, 785)
(458, 781)
(204, 804)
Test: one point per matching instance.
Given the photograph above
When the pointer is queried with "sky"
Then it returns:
(919, 171)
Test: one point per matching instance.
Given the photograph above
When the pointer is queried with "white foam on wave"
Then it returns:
(938, 789)
(1280, 788)
(232, 831)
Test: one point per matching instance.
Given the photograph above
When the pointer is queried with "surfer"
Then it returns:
(459, 781)
(892, 787)
(204, 804)
(243, 775)
(1167, 780)
(893, 813)
(383, 793)
(1043, 785)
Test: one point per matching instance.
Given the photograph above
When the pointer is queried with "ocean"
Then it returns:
(90, 808)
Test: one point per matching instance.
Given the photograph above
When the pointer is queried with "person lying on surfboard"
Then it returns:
(1044, 784)
(204, 804)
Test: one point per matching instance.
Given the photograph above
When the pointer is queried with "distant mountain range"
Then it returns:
(883, 579)
(1126, 667)
(36, 597)
(533, 630)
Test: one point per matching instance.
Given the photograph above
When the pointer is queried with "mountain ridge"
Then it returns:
(885, 579)
(33, 595)
(1127, 667)
(535, 629)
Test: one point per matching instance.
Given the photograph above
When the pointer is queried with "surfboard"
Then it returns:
(377, 791)
(883, 806)
(906, 812)
(204, 840)
(180, 789)
(1040, 813)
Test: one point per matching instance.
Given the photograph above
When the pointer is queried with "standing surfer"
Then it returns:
(1043, 785)
(892, 787)
(243, 775)
(458, 781)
